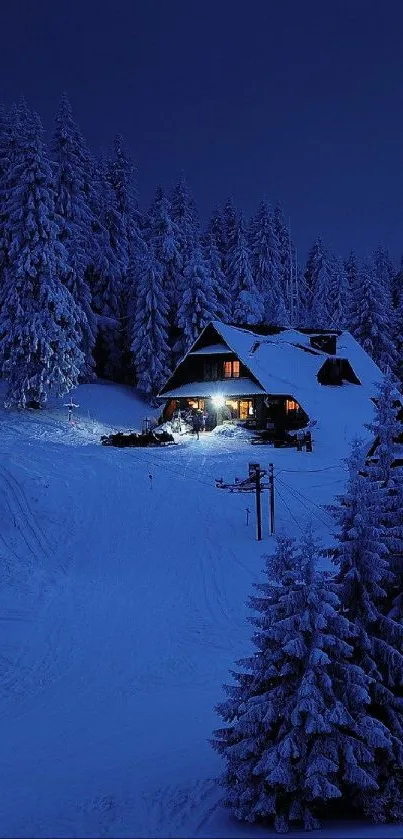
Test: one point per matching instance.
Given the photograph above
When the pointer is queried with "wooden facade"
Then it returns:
(212, 367)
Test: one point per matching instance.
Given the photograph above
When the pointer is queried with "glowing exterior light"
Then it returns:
(218, 400)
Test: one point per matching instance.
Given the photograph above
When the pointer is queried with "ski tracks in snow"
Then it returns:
(178, 811)
(31, 533)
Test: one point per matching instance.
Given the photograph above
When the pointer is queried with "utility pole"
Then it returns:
(271, 497)
(254, 471)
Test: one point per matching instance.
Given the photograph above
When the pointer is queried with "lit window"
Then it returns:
(233, 408)
(227, 369)
(231, 369)
(291, 405)
(246, 409)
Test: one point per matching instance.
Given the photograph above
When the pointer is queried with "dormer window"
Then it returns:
(231, 369)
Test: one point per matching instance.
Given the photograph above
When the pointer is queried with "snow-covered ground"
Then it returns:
(124, 580)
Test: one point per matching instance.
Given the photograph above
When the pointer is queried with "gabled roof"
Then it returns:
(284, 363)
(287, 364)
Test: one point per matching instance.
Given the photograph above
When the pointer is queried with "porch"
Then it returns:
(274, 414)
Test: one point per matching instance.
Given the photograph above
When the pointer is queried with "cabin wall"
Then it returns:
(201, 368)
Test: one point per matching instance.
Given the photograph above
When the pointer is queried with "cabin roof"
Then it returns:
(242, 386)
(286, 363)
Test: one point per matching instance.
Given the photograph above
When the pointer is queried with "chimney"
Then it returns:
(326, 343)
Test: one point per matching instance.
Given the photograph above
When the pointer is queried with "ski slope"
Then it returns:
(124, 580)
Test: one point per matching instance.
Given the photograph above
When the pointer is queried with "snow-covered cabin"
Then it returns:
(270, 377)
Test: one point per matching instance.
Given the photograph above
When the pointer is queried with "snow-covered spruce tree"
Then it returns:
(316, 288)
(383, 267)
(150, 334)
(107, 273)
(370, 317)
(230, 218)
(384, 466)
(5, 151)
(397, 286)
(364, 578)
(298, 733)
(338, 293)
(162, 235)
(351, 267)
(40, 345)
(121, 176)
(288, 268)
(217, 229)
(71, 174)
(248, 304)
(198, 302)
(213, 259)
(110, 263)
(266, 266)
(398, 330)
(10, 127)
(184, 214)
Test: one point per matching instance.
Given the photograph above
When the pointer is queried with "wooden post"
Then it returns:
(254, 470)
(271, 497)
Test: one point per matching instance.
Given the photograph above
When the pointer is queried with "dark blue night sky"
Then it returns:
(298, 101)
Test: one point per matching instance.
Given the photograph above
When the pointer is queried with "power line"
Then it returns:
(302, 502)
(290, 513)
(308, 471)
(305, 497)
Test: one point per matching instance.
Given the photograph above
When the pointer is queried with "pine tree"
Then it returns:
(121, 177)
(41, 323)
(384, 466)
(198, 303)
(127, 219)
(106, 274)
(10, 128)
(76, 221)
(370, 317)
(338, 293)
(218, 279)
(162, 235)
(184, 214)
(266, 265)
(397, 287)
(363, 582)
(383, 268)
(217, 229)
(230, 219)
(298, 733)
(316, 288)
(150, 334)
(248, 306)
(288, 267)
(351, 267)
(110, 263)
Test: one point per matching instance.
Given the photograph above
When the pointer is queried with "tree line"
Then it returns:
(90, 283)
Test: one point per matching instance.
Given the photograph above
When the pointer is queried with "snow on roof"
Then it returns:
(284, 365)
(210, 350)
(226, 387)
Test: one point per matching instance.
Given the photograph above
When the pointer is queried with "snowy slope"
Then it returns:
(122, 611)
